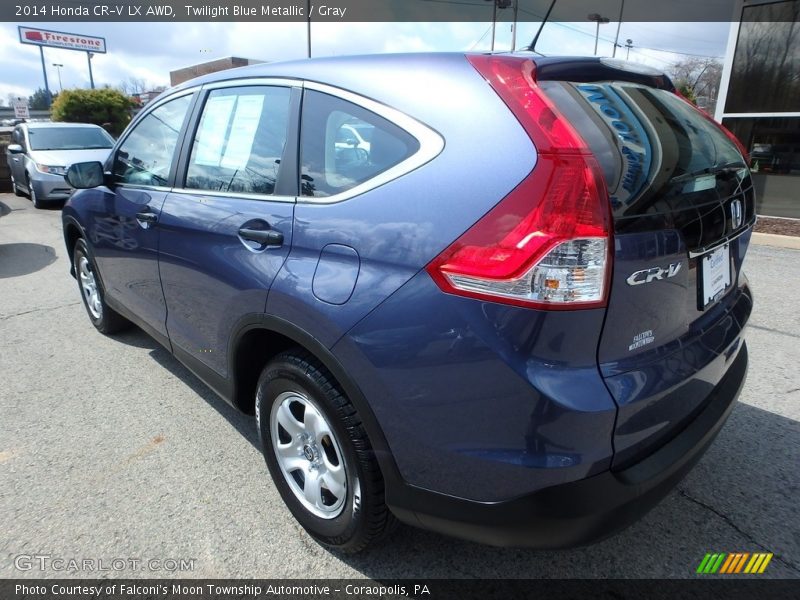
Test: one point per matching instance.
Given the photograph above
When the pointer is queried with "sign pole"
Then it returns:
(44, 72)
(89, 60)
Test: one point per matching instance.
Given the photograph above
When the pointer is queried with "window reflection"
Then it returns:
(766, 65)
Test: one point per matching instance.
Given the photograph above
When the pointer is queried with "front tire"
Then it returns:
(15, 187)
(319, 455)
(104, 318)
(37, 203)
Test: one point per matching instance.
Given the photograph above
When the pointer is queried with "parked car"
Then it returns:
(775, 158)
(518, 321)
(40, 153)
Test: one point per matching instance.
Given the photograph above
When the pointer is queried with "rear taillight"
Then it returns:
(546, 244)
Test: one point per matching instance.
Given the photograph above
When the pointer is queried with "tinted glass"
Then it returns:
(343, 145)
(68, 138)
(239, 143)
(666, 165)
(767, 60)
(146, 154)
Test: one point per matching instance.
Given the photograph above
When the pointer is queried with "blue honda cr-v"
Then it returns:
(496, 296)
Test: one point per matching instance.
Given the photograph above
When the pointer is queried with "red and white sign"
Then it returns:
(21, 108)
(60, 39)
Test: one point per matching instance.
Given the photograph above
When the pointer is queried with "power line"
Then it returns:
(480, 39)
(681, 53)
(611, 41)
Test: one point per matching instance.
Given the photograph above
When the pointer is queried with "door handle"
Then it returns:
(268, 237)
(146, 216)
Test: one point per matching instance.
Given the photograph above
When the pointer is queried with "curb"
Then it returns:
(778, 241)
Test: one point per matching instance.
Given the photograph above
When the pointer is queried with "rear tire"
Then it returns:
(319, 455)
(104, 318)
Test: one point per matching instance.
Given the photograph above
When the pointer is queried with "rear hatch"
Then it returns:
(683, 205)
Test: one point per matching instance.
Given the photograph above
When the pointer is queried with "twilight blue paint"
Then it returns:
(475, 400)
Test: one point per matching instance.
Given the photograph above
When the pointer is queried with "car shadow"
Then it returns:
(19, 259)
(741, 496)
(243, 423)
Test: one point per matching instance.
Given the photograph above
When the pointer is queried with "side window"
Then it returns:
(343, 145)
(239, 143)
(145, 157)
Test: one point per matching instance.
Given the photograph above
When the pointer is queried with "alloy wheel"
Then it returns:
(308, 454)
(89, 287)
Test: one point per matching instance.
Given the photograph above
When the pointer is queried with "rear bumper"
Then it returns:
(583, 511)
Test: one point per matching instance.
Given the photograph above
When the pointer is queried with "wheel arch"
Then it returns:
(259, 338)
(72, 233)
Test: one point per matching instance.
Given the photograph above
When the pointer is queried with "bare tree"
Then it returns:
(133, 86)
(766, 66)
(699, 75)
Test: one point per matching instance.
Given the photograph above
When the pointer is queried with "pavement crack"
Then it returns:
(787, 563)
(35, 310)
(771, 330)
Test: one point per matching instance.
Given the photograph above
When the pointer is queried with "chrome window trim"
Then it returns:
(431, 143)
(254, 81)
(143, 114)
(151, 106)
(146, 188)
(234, 195)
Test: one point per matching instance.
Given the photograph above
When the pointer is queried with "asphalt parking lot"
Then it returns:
(110, 448)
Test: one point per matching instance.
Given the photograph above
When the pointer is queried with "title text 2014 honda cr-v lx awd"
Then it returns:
(512, 313)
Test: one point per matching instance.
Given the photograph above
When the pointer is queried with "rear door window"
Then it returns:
(343, 145)
(239, 143)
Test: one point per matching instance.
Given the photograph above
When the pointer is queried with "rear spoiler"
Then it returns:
(592, 69)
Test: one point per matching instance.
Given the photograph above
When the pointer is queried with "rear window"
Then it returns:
(343, 145)
(649, 142)
(69, 138)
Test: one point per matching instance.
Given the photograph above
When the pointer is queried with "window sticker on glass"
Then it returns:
(212, 131)
(243, 132)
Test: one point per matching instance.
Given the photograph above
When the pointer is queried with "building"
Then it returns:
(760, 99)
(221, 64)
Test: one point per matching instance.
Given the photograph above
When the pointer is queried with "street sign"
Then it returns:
(21, 108)
(60, 39)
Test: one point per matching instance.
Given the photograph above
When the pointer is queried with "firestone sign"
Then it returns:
(60, 39)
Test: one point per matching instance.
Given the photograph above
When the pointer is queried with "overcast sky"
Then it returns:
(150, 51)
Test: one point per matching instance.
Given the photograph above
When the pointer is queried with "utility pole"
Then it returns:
(308, 26)
(494, 21)
(599, 20)
(46, 85)
(514, 26)
(89, 57)
(58, 67)
(619, 24)
(628, 46)
(502, 4)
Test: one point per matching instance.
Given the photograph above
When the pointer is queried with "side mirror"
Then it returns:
(85, 175)
(15, 149)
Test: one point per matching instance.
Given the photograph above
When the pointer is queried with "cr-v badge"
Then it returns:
(648, 275)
